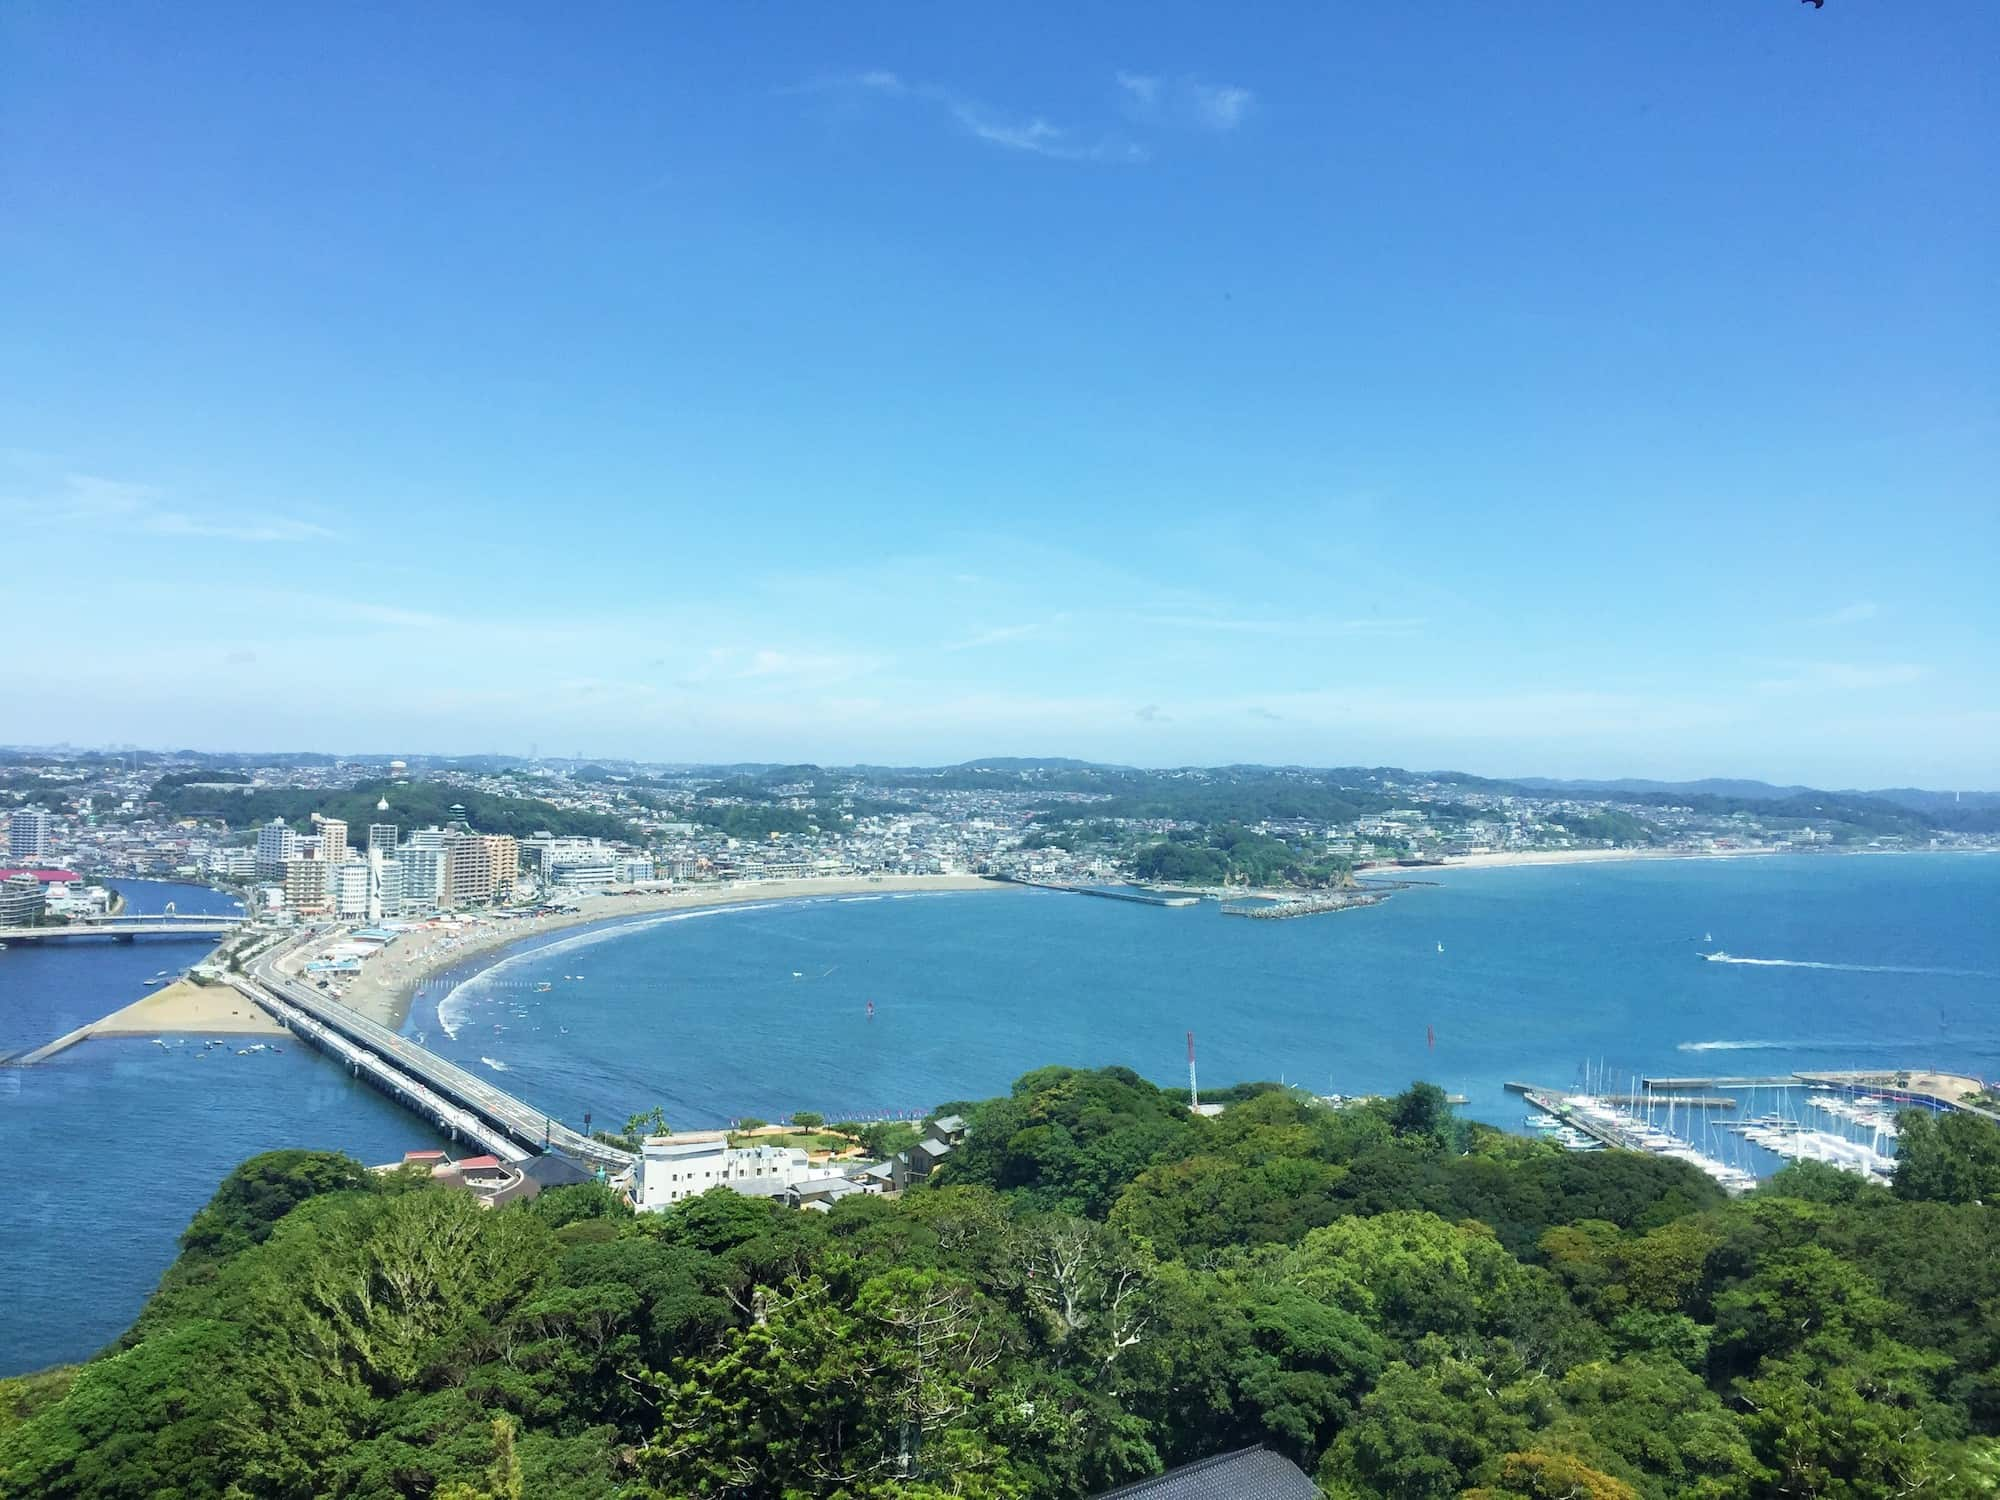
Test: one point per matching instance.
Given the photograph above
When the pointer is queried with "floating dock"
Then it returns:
(1678, 1101)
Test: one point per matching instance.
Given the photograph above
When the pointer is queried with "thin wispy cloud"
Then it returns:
(1033, 134)
(1219, 106)
(1143, 89)
(1184, 101)
(1849, 614)
(94, 501)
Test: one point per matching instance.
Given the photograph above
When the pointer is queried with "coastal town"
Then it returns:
(379, 838)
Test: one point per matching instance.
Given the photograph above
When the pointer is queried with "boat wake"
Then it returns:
(1719, 957)
(495, 1064)
(1799, 1046)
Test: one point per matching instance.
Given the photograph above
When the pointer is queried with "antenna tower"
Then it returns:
(1194, 1094)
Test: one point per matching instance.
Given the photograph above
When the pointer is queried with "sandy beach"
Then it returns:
(208, 1009)
(383, 989)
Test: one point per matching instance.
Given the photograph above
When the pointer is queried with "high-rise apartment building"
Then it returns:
(468, 871)
(348, 887)
(22, 899)
(30, 832)
(305, 884)
(504, 850)
(332, 839)
(277, 846)
(386, 898)
(382, 836)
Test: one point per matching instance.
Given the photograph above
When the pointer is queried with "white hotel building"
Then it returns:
(675, 1167)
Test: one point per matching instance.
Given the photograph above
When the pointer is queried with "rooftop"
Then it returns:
(1248, 1474)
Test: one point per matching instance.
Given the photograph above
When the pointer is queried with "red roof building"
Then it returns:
(47, 877)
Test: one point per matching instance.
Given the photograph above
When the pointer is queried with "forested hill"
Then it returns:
(412, 804)
(1096, 1285)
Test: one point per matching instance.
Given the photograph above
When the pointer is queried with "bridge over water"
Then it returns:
(418, 1078)
(125, 928)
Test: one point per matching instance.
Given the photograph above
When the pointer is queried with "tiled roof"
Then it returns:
(1250, 1474)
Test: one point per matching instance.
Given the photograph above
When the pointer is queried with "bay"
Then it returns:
(761, 1010)
(1527, 973)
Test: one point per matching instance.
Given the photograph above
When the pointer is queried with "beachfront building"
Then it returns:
(30, 832)
(422, 859)
(503, 850)
(385, 885)
(348, 887)
(673, 1168)
(277, 846)
(305, 885)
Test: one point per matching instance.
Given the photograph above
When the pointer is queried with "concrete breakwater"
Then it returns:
(1305, 906)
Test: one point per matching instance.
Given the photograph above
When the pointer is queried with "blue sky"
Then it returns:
(1566, 389)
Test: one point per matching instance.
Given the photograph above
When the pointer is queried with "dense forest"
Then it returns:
(1097, 1285)
(1233, 855)
(412, 804)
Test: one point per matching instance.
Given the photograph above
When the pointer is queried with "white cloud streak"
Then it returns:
(1185, 101)
(1033, 134)
(94, 501)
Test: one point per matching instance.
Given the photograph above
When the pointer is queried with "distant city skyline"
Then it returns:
(1612, 398)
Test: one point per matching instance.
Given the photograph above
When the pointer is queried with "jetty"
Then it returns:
(1912, 1086)
(1677, 1101)
(1304, 906)
(1594, 1116)
(1108, 893)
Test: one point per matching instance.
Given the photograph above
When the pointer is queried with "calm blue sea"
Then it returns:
(1870, 961)
(112, 1146)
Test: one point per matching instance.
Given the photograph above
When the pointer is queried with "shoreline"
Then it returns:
(1517, 858)
(388, 983)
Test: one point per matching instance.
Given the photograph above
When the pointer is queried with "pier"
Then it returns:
(1897, 1085)
(418, 1078)
(1677, 1101)
(1138, 898)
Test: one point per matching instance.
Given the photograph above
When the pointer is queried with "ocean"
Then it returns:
(1528, 974)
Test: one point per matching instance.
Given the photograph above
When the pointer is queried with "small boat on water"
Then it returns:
(543, 987)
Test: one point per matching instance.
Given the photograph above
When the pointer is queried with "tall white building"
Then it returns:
(277, 846)
(676, 1167)
(386, 899)
(347, 887)
(422, 859)
(30, 833)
